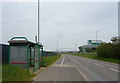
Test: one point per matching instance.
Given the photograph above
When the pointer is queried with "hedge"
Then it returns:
(109, 50)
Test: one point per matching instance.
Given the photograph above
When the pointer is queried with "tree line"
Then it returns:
(109, 50)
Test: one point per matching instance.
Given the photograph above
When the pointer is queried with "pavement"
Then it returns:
(70, 68)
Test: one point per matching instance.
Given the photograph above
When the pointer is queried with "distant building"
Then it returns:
(94, 42)
(91, 46)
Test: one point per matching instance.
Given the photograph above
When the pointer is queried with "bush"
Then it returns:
(109, 51)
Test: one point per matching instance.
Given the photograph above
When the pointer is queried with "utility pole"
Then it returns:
(38, 22)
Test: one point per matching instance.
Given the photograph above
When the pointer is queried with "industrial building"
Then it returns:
(91, 45)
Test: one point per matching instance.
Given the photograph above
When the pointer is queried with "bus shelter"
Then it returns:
(25, 53)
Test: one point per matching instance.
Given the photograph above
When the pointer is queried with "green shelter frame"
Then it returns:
(25, 53)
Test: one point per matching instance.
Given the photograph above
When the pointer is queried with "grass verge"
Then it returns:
(12, 73)
(49, 60)
(94, 56)
(15, 73)
(0, 73)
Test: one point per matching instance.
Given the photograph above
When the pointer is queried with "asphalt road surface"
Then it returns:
(75, 68)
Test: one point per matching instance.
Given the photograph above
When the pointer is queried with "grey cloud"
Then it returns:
(75, 21)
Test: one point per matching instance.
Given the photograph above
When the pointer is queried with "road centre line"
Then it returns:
(99, 65)
(84, 76)
(58, 68)
(62, 61)
(114, 70)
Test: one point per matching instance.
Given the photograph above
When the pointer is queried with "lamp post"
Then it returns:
(76, 43)
(38, 21)
(97, 35)
(57, 44)
(58, 41)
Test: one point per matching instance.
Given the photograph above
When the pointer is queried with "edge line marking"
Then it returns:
(99, 65)
(114, 70)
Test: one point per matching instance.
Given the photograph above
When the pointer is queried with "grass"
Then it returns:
(94, 56)
(15, 73)
(12, 73)
(0, 73)
(49, 60)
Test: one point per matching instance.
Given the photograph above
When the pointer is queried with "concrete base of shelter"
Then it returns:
(31, 70)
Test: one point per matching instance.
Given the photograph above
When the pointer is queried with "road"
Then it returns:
(76, 68)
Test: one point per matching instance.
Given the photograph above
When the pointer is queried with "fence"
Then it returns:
(50, 53)
(4, 53)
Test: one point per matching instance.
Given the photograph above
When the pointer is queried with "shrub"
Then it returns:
(109, 51)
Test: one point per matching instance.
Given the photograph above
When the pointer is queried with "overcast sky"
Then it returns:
(72, 22)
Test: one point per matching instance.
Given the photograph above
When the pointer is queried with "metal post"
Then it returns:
(76, 44)
(58, 41)
(42, 57)
(9, 56)
(96, 37)
(38, 21)
(39, 55)
(57, 44)
(36, 39)
(27, 57)
(34, 58)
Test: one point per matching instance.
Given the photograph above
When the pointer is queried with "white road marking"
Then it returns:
(84, 76)
(109, 65)
(114, 70)
(58, 68)
(102, 62)
(57, 65)
(99, 65)
(88, 62)
(62, 61)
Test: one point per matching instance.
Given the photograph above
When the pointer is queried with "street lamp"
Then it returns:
(58, 41)
(97, 35)
(38, 21)
(76, 43)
